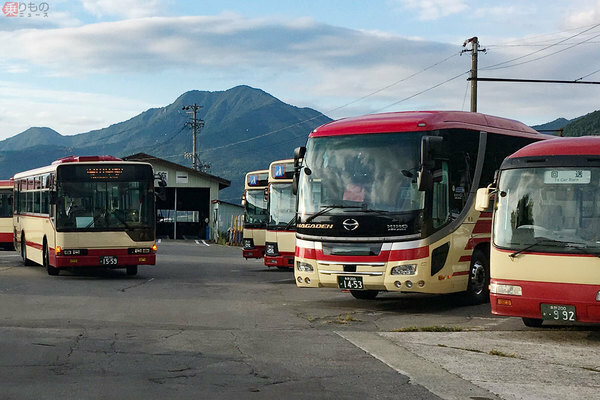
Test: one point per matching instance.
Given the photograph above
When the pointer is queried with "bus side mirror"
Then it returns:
(424, 180)
(52, 197)
(431, 147)
(161, 191)
(482, 199)
(299, 153)
(295, 184)
(430, 151)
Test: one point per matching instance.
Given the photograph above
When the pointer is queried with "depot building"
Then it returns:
(184, 206)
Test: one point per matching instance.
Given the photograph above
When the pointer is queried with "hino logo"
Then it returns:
(350, 224)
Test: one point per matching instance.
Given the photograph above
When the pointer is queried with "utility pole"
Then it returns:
(196, 125)
(474, 50)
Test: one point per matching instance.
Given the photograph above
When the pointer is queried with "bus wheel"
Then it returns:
(26, 262)
(46, 260)
(132, 270)
(364, 294)
(479, 279)
(532, 322)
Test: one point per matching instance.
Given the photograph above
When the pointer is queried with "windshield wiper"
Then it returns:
(326, 209)
(536, 243)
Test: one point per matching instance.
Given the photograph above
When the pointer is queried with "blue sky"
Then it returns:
(92, 63)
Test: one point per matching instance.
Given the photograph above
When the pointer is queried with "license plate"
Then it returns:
(556, 312)
(350, 282)
(108, 260)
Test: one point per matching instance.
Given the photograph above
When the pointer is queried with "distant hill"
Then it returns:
(588, 125)
(552, 127)
(245, 129)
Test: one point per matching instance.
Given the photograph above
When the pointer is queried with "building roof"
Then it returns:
(223, 183)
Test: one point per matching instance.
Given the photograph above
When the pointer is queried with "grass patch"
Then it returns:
(501, 354)
(346, 319)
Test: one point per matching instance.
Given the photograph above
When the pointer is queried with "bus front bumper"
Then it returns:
(584, 298)
(108, 260)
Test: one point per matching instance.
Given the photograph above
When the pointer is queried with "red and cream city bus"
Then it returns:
(6, 220)
(546, 233)
(254, 201)
(280, 240)
(86, 212)
(386, 202)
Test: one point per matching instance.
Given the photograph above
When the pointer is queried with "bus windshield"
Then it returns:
(106, 198)
(256, 207)
(370, 171)
(554, 210)
(282, 204)
(6, 203)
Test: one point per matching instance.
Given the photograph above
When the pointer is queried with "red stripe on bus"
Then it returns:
(384, 256)
(34, 245)
(303, 252)
(485, 215)
(483, 226)
(459, 273)
(6, 237)
(464, 259)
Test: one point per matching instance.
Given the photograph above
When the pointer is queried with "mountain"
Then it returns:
(244, 129)
(32, 137)
(552, 127)
(584, 126)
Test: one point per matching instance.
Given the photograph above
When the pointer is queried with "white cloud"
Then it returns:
(429, 10)
(126, 8)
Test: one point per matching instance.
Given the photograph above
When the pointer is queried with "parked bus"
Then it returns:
(546, 233)
(6, 221)
(254, 201)
(385, 202)
(94, 211)
(280, 240)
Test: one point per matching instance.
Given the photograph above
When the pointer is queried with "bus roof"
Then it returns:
(6, 184)
(75, 160)
(415, 121)
(564, 146)
(283, 173)
(259, 178)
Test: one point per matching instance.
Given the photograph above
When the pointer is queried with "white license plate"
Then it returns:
(108, 260)
(350, 282)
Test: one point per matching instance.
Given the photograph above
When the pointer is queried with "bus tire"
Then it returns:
(479, 278)
(132, 270)
(364, 294)
(532, 322)
(46, 261)
(26, 262)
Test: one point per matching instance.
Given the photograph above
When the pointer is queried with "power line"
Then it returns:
(498, 66)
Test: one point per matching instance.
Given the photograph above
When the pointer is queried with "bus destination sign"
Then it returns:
(104, 172)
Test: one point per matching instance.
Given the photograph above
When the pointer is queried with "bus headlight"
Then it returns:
(598, 296)
(304, 267)
(408, 269)
(512, 290)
